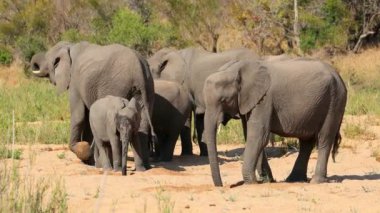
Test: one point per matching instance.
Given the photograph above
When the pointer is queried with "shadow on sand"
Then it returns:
(340, 178)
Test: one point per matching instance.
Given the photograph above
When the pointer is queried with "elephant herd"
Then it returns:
(117, 97)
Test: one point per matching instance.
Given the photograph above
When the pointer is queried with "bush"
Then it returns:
(30, 46)
(72, 35)
(5, 56)
(129, 29)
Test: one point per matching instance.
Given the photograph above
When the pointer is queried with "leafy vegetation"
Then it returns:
(40, 114)
(266, 25)
(5, 56)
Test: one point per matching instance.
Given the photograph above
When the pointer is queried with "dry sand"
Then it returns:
(185, 184)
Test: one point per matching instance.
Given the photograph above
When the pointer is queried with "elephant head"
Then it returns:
(167, 64)
(126, 121)
(55, 64)
(236, 89)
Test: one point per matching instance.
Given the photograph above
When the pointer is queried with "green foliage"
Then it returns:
(327, 26)
(29, 46)
(5, 152)
(40, 114)
(5, 56)
(232, 133)
(73, 35)
(129, 29)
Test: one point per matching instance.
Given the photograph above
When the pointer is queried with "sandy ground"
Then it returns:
(185, 184)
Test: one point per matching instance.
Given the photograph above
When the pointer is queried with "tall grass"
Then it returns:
(361, 73)
(37, 108)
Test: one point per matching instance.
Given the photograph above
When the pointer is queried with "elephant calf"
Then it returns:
(171, 110)
(113, 119)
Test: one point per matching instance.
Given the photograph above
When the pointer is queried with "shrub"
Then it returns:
(30, 46)
(5, 56)
(129, 29)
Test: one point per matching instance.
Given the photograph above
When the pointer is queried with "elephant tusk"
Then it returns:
(36, 71)
(219, 128)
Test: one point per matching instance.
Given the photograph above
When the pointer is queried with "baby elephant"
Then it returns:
(113, 119)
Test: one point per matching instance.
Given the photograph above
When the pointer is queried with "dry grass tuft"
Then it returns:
(12, 76)
(360, 69)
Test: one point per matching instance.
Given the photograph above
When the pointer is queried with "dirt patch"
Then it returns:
(185, 184)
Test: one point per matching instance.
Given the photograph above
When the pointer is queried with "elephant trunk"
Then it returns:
(210, 134)
(124, 152)
(37, 65)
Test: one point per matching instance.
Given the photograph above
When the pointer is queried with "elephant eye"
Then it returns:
(56, 62)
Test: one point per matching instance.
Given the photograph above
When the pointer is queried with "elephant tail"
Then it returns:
(338, 139)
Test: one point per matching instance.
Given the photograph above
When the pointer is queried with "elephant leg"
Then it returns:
(98, 163)
(199, 125)
(116, 152)
(104, 160)
(77, 126)
(263, 169)
(186, 144)
(160, 146)
(168, 148)
(299, 171)
(257, 139)
(88, 136)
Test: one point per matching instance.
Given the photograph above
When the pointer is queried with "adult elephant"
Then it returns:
(191, 67)
(91, 72)
(172, 108)
(292, 98)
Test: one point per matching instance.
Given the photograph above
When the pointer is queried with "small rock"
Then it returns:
(187, 207)
(212, 204)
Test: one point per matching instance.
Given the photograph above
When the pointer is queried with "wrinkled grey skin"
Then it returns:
(191, 67)
(116, 121)
(293, 98)
(172, 108)
(91, 72)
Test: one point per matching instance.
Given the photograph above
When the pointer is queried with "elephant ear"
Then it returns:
(62, 66)
(254, 84)
(175, 64)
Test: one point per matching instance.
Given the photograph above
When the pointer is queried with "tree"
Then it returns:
(199, 21)
(267, 23)
(367, 16)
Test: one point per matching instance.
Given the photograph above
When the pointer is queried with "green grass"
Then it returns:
(7, 153)
(363, 101)
(38, 109)
(232, 133)
(165, 204)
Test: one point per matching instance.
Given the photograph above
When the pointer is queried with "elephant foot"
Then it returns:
(117, 169)
(203, 149)
(166, 159)
(107, 168)
(249, 182)
(250, 179)
(296, 178)
(266, 179)
(184, 153)
(318, 179)
(140, 169)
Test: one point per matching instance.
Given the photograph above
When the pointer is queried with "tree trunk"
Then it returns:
(296, 38)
